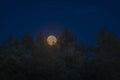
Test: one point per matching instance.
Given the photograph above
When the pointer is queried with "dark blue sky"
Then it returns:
(84, 18)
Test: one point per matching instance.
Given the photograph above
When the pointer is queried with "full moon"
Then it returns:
(51, 40)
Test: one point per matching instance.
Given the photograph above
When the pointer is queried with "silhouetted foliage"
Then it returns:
(27, 41)
(66, 39)
(67, 60)
(107, 55)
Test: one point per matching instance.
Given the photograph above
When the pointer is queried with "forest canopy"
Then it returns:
(34, 59)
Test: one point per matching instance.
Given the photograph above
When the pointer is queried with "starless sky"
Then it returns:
(84, 18)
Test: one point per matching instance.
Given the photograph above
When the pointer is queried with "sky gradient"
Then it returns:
(84, 18)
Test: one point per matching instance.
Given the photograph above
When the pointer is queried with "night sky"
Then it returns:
(84, 18)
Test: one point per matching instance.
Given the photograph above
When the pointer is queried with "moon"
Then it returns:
(51, 40)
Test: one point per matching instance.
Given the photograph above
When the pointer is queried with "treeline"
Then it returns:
(29, 59)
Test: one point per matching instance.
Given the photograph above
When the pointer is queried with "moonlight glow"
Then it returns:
(51, 40)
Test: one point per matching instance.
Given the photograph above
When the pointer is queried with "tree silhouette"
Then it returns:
(34, 60)
(27, 41)
(107, 52)
(66, 39)
(40, 42)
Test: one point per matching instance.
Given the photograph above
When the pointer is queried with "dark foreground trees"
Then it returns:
(31, 59)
